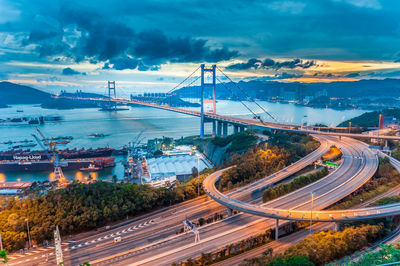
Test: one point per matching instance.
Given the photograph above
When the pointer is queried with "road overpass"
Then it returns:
(140, 232)
(302, 211)
(156, 242)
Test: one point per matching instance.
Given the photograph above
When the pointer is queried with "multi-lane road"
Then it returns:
(152, 240)
(158, 226)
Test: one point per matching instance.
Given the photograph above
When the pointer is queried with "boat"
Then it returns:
(31, 163)
(20, 111)
(90, 168)
(98, 135)
(64, 153)
(62, 142)
(29, 145)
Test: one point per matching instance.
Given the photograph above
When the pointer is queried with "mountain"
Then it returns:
(266, 89)
(11, 93)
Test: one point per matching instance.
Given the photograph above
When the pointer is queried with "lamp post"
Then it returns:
(312, 205)
(198, 170)
(29, 235)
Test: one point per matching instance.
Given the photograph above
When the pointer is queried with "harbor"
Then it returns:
(90, 129)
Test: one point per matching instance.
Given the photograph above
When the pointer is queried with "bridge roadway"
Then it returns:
(242, 121)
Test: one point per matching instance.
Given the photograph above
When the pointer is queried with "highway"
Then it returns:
(156, 243)
(242, 226)
(160, 225)
(280, 209)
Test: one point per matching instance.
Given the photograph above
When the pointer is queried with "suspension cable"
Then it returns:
(196, 79)
(228, 89)
(174, 88)
(244, 92)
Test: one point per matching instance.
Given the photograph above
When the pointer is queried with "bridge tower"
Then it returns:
(205, 85)
(111, 95)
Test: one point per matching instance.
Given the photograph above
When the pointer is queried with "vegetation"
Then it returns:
(371, 119)
(3, 255)
(254, 164)
(297, 145)
(239, 142)
(81, 207)
(386, 200)
(230, 250)
(203, 221)
(384, 179)
(335, 245)
(282, 189)
(386, 254)
(333, 154)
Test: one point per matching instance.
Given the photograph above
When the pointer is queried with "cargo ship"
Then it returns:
(46, 165)
(20, 154)
(71, 159)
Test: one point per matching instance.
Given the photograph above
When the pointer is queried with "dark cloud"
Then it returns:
(352, 75)
(122, 63)
(252, 63)
(39, 35)
(272, 64)
(104, 40)
(285, 75)
(295, 63)
(69, 71)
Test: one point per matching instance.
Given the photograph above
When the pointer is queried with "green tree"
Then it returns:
(3, 255)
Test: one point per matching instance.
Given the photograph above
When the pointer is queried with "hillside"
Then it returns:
(11, 93)
(371, 119)
(340, 89)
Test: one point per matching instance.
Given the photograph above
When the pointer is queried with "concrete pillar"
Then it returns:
(229, 212)
(235, 129)
(225, 129)
(219, 128)
(277, 230)
(214, 128)
(337, 227)
(242, 128)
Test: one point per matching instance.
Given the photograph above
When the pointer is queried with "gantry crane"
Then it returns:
(51, 153)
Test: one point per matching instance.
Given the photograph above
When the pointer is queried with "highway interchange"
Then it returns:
(152, 240)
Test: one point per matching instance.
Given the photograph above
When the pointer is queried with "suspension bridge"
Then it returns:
(188, 96)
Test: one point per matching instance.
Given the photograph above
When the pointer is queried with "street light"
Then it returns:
(198, 170)
(312, 205)
(198, 175)
(29, 235)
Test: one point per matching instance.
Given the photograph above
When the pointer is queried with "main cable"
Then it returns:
(248, 95)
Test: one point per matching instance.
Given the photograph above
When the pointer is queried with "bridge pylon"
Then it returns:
(205, 85)
(111, 95)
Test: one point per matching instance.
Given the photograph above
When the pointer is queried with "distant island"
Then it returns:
(371, 119)
(372, 94)
(11, 93)
(363, 94)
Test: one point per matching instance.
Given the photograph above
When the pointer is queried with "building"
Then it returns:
(179, 166)
(321, 93)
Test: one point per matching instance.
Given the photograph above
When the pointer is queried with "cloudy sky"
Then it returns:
(154, 44)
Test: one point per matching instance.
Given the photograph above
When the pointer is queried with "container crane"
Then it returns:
(51, 153)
